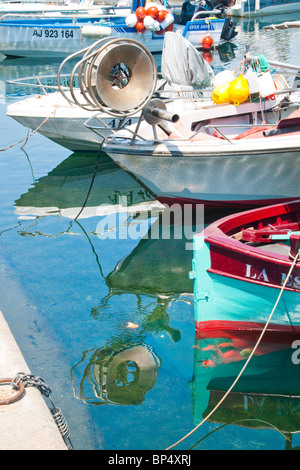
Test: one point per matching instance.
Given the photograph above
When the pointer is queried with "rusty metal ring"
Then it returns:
(15, 397)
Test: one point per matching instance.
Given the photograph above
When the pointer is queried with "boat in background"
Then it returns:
(25, 36)
(68, 7)
(240, 264)
(245, 8)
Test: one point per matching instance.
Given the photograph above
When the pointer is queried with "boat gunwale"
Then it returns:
(216, 233)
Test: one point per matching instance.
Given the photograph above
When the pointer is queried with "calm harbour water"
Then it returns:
(108, 322)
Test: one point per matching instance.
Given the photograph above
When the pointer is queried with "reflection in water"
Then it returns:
(267, 396)
(155, 266)
(117, 374)
(155, 269)
(227, 51)
(64, 190)
(12, 69)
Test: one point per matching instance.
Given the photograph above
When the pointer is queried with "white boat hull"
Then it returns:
(246, 173)
(56, 40)
(63, 123)
(60, 41)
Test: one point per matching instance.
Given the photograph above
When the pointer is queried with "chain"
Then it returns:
(30, 380)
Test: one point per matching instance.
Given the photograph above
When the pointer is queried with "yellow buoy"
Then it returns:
(239, 90)
(220, 94)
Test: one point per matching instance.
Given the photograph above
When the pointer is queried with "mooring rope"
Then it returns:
(25, 140)
(248, 360)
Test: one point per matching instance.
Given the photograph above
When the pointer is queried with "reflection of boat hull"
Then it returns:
(64, 190)
(237, 282)
(267, 394)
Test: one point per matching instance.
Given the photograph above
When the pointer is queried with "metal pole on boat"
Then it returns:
(284, 65)
(257, 5)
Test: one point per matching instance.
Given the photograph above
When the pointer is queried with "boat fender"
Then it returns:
(149, 23)
(239, 90)
(207, 42)
(131, 20)
(266, 85)
(221, 78)
(152, 11)
(96, 31)
(140, 27)
(140, 13)
(253, 81)
(220, 94)
(277, 131)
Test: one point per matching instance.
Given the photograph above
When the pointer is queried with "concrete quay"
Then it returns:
(26, 424)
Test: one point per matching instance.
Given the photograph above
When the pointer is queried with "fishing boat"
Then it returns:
(218, 155)
(244, 8)
(68, 7)
(76, 123)
(240, 265)
(58, 37)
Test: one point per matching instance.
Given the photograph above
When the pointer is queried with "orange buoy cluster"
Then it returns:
(153, 17)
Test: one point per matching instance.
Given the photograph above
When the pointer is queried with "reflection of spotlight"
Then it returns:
(118, 377)
(207, 56)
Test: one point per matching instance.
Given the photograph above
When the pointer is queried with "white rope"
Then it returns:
(248, 360)
(28, 135)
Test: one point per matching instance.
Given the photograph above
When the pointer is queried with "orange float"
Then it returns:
(207, 42)
(153, 12)
(140, 13)
(140, 27)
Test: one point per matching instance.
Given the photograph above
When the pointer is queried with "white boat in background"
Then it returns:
(245, 8)
(68, 7)
(58, 37)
